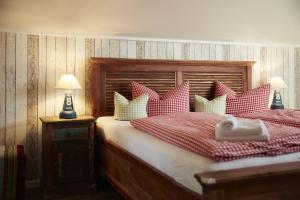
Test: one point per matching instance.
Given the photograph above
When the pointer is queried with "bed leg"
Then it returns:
(99, 162)
(213, 195)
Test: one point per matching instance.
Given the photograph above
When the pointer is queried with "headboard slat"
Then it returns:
(110, 75)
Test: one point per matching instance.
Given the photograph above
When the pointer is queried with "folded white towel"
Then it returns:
(229, 123)
(248, 130)
(244, 127)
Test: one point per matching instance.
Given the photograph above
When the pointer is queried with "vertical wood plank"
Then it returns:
(249, 53)
(10, 88)
(105, 48)
(205, 52)
(153, 50)
(32, 110)
(2, 86)
(50, 76)
(292, 77)
(231, 52)
(131, 49)
(198, 51)
(226, 52)
(192, 52)
(123, 49)
(272, 67)
(269, 63)
(237, 52)
(219, 52)
(140, 49)
(280, 59)
(274, 64)
(185, 51)
(250, 56)
(80, 75)
(263, 65)
(114, 48)
(243, 53)
(286, 74)
(41, 94)
(177, 51)
(147, 50)
(161, 50)
(21, 88)
(257, 65)
(170, 50)
(98, 47)
(60, 69)
(279, 62)
(297, 75)
(90, 52)
(212, 52)
(71, 47)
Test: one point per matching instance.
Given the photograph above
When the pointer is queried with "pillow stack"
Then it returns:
(176, 100)
(147, 102)
(250, 101)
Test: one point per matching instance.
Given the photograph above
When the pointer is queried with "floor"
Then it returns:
(107, 193)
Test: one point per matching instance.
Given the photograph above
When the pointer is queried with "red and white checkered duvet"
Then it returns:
(195, 132)
(286, 117)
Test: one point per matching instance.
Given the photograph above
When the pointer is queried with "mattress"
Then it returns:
(177, 163)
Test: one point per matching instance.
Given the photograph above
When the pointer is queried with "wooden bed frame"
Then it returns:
(136, 179)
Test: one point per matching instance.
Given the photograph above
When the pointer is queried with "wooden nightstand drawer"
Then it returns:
(71, 162)
(70, 133)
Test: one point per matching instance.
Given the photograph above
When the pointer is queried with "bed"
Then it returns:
(137, 177)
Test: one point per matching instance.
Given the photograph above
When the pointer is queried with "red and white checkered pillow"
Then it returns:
(221, 89)
(176, 100)
(250, 101)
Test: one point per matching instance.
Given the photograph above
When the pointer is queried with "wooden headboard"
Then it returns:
(109, 75)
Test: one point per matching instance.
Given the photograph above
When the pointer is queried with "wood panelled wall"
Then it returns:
(30, 66)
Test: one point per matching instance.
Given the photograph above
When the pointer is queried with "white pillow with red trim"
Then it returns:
(176, 100)
(250, 101)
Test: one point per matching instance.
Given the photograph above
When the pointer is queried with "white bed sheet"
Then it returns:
(173, 161)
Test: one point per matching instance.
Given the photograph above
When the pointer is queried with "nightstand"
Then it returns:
(68, 154)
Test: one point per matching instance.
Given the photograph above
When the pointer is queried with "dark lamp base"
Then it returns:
(277, 106)
(277, 101)
(67, 115)
(68, 109)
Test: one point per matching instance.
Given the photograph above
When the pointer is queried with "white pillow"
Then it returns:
(129, 110)
(217, 105)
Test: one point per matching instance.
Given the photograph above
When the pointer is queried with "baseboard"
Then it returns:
(32, 184)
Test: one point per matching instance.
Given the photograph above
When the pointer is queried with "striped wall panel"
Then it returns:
(30, 66)
(32, 105)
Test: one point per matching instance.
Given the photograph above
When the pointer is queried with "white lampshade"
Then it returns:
(68, 82)
(277, 83)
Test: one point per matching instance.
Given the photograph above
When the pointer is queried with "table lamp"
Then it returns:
(277, 83)
(68, 82)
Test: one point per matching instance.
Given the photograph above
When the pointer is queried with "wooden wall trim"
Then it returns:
(97, 60)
